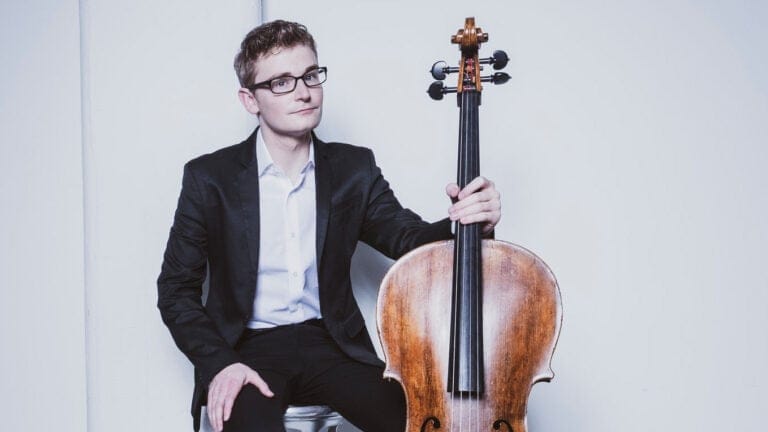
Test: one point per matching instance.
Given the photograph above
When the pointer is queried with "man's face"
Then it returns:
(291, 114)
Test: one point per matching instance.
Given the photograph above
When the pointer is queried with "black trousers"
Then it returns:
(304, 366)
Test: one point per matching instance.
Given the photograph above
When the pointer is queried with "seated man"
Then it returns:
(275, 220)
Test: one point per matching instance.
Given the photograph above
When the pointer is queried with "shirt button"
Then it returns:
(295, 274)
(293, 235)
(292, 307)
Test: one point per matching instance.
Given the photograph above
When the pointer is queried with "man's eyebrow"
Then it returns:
(288, 74)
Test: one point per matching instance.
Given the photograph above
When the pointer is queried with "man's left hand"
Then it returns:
(479, 202)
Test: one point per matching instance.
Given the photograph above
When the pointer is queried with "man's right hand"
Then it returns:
(225, 387)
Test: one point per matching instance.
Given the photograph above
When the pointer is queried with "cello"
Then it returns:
(468, 325)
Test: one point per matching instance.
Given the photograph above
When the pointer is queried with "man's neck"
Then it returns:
(290, 154)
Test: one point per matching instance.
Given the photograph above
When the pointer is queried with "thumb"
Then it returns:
(452, 190)
(253, 377)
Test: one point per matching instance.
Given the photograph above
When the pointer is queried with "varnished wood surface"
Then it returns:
(521, 322)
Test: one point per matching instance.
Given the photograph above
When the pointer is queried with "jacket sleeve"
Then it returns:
(179, 286)
(390, 228)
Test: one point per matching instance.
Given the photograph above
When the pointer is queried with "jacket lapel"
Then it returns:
(322, 194)
(248, 186)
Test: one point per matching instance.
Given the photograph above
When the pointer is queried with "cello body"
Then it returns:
(468, 326)
(521, 322)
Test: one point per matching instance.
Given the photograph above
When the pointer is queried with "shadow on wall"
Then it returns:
(368, 269)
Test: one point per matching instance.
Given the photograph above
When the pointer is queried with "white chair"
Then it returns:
(313, 419)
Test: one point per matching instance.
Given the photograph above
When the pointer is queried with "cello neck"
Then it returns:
(469, 141)
(469, 155)
(465, 366)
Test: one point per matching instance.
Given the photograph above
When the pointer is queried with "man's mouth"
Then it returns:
(305, 110)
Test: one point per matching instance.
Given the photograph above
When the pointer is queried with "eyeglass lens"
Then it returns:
(287, 84)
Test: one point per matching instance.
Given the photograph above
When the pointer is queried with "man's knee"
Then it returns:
(252, 411)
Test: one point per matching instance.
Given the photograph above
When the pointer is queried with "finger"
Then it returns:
(217, 424)
(487, 211)
(477, 184)
(491, 196)
(474, 209)
(478, 217)
(255, 379)
(473, 204)
(212, 390)
(217, 408)
(229, 401)
(226, 401)
(460, 205)
(211, 409)
(452, 190)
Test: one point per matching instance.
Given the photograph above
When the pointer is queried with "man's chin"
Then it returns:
(296, 129)
(308, 124)
(297, 132)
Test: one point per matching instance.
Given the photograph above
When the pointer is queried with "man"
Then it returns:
(275, 220)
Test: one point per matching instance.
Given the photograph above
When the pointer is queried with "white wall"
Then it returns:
(42, 343)
(630, 149)
(160, 90)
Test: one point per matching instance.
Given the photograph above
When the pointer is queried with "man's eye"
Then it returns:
(311, 77)
(279, 83)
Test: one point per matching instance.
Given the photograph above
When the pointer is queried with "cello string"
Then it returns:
(476, 341)
(473, 319)
(478, 329)
(463, 230)
(463, 244)
(472, 162)
(469, 231)
(454, 308)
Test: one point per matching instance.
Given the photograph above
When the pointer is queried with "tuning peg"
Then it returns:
(497, 78)
(440, 69)
(499, 60)
(437, 89)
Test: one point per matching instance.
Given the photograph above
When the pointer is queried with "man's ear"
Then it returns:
(248, 101)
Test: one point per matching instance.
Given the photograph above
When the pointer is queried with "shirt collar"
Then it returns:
(267, 165)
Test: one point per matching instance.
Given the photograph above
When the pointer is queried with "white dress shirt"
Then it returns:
(286, 285)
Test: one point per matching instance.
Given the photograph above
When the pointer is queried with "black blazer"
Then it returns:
(216, 230)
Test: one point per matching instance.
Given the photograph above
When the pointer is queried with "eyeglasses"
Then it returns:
(286, 84)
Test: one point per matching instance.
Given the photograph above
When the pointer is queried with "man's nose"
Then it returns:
(302, 90)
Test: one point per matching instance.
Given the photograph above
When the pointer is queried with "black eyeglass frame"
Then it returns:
(268, 83)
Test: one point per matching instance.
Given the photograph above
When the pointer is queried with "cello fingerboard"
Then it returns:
(465, 367)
